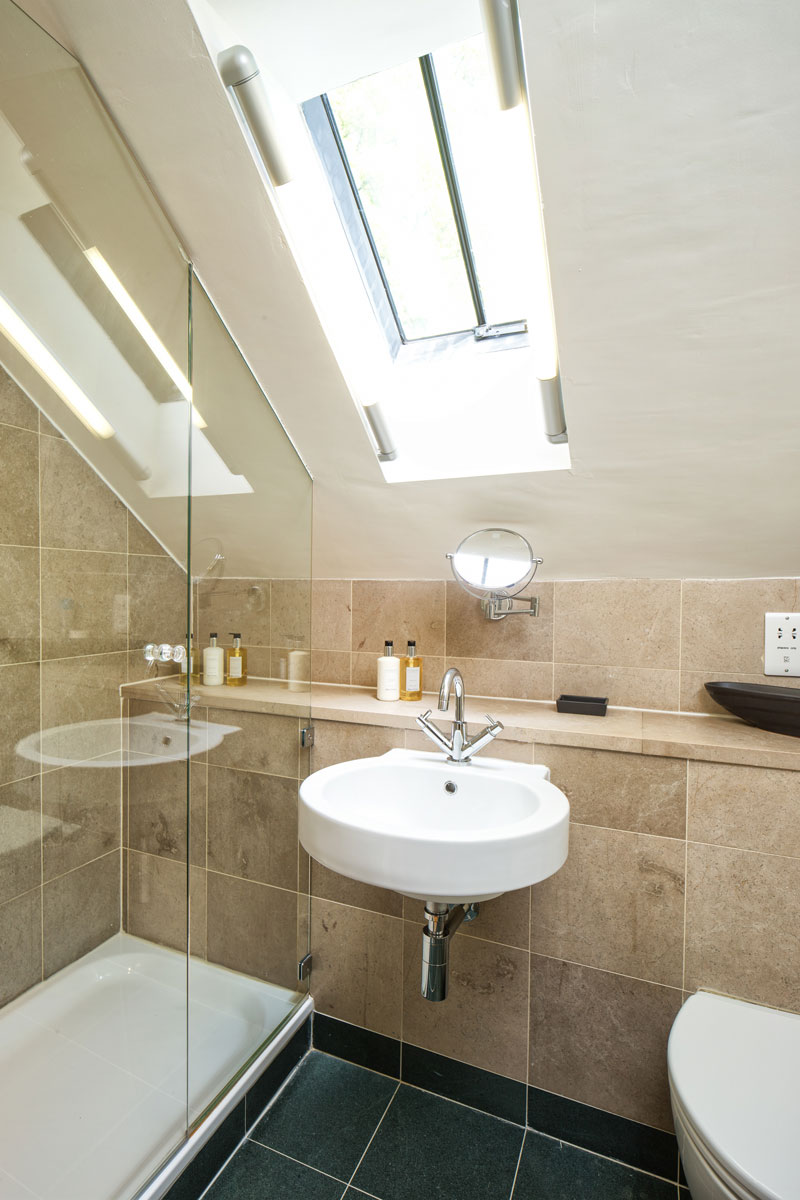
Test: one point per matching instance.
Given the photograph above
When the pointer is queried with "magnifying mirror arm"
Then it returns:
(498, 607)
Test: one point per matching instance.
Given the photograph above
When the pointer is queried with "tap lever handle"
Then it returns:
(495, 724)
(424, 716)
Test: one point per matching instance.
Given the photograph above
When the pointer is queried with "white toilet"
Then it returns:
(734, 1075)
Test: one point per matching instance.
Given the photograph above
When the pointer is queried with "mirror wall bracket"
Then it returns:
(497, 607)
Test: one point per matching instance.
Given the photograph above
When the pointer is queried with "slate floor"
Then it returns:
(337, 1130)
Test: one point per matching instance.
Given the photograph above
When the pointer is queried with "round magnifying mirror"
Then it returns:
(497, 561)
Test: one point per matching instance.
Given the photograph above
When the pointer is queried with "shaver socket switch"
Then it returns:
(782, 643)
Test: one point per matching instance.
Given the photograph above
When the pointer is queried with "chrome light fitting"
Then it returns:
(240, 72)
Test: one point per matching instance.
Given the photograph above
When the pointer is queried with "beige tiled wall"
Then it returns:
(680, 875)
(644, 643)
(248, 891)
(72, 612)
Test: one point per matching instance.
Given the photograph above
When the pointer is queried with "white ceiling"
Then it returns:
(670, 170)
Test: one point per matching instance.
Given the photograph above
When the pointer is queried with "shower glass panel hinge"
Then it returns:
(307, 737)
(304, 968)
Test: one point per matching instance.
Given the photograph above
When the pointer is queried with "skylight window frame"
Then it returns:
(324, 130)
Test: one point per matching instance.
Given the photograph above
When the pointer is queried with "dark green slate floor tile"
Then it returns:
(326, 1114)
(428, 1148)
(255, 1173)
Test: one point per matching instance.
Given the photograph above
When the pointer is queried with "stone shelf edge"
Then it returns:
(630, 730)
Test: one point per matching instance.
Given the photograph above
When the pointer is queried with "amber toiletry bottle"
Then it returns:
(411, 674)
(236, 663)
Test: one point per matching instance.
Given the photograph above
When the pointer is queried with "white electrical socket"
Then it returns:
(782, 643)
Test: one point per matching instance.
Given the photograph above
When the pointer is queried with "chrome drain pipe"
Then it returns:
(442, 920)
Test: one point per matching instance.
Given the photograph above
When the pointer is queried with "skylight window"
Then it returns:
(424, 171)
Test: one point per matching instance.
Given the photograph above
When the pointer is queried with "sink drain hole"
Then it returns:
(451, 787)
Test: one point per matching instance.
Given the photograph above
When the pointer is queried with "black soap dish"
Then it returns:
(591, 706)
(761, 704)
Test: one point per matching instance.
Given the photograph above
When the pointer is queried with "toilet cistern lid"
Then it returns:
(735, 1068)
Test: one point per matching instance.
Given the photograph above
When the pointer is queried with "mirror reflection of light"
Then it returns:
(152, 738)
(490, 572)
(51, 371)
(143, 328)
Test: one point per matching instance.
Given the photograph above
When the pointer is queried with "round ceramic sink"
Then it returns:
(418, 824)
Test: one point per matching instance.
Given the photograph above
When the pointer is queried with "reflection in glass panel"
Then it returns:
(102, 871)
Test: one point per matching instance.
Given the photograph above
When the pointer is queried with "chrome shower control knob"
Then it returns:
(165, 652)
(150, 652)
(178, 654)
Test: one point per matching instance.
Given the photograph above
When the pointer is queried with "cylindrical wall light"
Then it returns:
(239, 71)
(499, 23)
(380, 431)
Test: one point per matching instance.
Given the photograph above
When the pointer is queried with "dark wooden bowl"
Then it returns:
(761, 704)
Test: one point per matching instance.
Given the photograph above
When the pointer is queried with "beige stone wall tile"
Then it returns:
(19, 703)
(80, 910)
(618, 622)
(483, 1021)
(625, 687)
(15, 407)
(736, 606)
(20, 838)
(357, 969)
(81, 811)
(602, 1039)
(158, 601)
(742, 918)
(140, 540)
(753, 808)
(695, 698)
(252, 928)
(330, 666)
(47, 428)
(84, 603)
(638, 792)
(157, 795)
(507, 678)
(364, 669)
(505, 920)
(329, 885)
(198, 914)
(291, 613)
(616, 904)
(19, 604)
(81, 689)
(501, 747)
(471, 635)
(21, 942)
(264, 742)
(234, 606)
(259, 660)
(252, 826)
(398, 610)
(19, 487)
(340, 741)
(156, 908)
(99, 521)
(331, 614)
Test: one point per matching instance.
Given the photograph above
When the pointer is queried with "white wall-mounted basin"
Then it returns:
(436, 830)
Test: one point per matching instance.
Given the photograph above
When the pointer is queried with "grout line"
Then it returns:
(471, 1107)
(291, 1158)
(674, 987)
(519, 1160)
(606, 1157)
(685, 883)
(41, 694)
(528, 1064)
(374, 1134)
